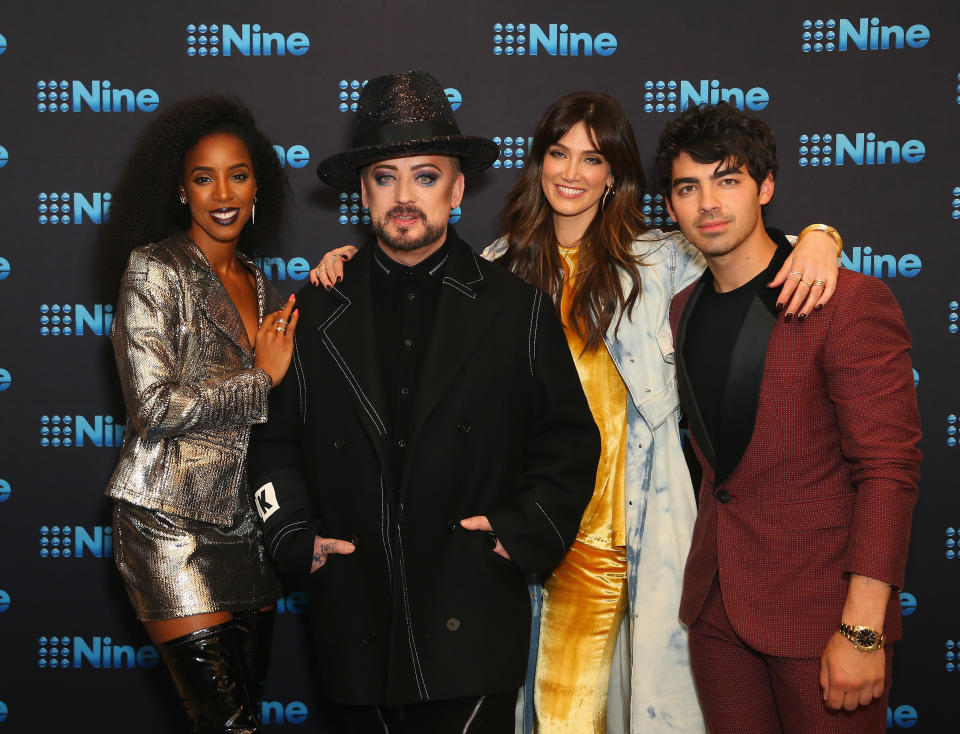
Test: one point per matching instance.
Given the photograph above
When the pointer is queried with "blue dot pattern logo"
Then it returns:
(56, 319)
(56, 542)
(951, 543)
(819, 35)
(952, 430)
(53, 208)
(815, 150)
(53, 96)
(951, 655)
(512, 151)
(660, 96)
(956, 204)
(53, 652)
(952, 317)
(203, 40)
(348, 92)
(56, 431)
(958, 89)
(655, 211)
(509, 39)
(351, 210)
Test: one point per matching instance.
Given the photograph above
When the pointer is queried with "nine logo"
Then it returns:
(865, 34)
(5, 379)
(669, 96)
(556, 40)
(903, 717)
(349, 93)
(75, 542)
(351, 210)
(512, 151)
(293, 603)
(274, 712)
(4, 601)
(3, 707)
(98, 96)
(250, 40)
(862, 260)
(4, 156)
(5, 490)
(952, 317)
(296, 156)
(908, 603)
(276, 268)
(4, 268)
(3, 47)
(861, 149)
(98, 652)
(59, 319)
(655, 212)
(69, 431)
(76, 208)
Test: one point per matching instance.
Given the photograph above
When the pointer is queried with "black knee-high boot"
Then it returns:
(255, 638)
(207, 667)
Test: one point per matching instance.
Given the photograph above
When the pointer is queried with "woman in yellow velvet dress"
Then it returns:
(574, 226)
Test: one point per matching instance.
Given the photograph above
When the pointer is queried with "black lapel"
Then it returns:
(347, 333)
(687, 397)
(214, 300)
(741, 394)
(463, 317)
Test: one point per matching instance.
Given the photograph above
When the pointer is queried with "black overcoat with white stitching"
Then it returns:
(500, 427)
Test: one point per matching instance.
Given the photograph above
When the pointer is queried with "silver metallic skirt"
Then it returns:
(174, 566)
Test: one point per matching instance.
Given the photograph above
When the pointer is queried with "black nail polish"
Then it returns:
(818, 307)
(801, 317)
(779, 307)
(339, 278)
(786, 319)
(327, 287)
(492, 538)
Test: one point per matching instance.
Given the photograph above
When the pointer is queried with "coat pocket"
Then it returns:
(817, 514)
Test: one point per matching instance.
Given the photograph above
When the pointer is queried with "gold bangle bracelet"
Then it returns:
(824, 228)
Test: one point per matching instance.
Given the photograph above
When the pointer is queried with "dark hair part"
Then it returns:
(146, 204)
(605, 250)
(717, 133)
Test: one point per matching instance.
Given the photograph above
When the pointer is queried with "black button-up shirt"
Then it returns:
(405, 301)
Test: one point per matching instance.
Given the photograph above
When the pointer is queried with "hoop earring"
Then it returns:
(606, 193)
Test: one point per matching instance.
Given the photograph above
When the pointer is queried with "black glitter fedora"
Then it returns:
(401, 115)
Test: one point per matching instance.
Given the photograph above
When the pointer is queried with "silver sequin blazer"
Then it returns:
(189, 384)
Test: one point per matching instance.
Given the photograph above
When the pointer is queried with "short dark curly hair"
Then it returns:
(717, 133)
(145, 203)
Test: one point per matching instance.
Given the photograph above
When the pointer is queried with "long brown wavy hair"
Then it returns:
(604, 251)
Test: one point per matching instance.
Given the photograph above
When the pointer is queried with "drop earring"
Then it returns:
(183, 197)
(253, 211)
(606, 194)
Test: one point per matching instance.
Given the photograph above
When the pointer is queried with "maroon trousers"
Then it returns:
(743, 690)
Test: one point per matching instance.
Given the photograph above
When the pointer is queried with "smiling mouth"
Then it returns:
(225, 216)
(569, 192)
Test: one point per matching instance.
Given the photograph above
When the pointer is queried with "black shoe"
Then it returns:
(208, 669)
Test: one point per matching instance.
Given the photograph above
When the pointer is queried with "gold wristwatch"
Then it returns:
(864, 639)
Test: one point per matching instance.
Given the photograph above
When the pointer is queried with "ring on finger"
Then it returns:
(281, 321)
(796, 274)
(321, 266)
(807, 283)
(281, 329)
(820, 284)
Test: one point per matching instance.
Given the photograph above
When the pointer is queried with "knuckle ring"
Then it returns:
(797, 275)
(807, 283)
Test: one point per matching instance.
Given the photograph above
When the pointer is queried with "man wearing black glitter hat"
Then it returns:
(434, 445)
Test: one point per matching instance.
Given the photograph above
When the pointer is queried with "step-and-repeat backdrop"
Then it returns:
(864, 96)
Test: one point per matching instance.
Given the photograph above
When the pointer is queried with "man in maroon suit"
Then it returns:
(807, 442)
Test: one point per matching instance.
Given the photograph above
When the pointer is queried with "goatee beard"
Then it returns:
(401, 241)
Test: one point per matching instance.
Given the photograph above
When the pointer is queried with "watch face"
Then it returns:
(866, 638)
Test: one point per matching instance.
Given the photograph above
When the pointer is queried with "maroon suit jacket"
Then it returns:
(817, 475)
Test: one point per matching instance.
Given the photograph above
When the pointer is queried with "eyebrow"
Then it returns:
(715, 175)
(211, 168)
(558, 144)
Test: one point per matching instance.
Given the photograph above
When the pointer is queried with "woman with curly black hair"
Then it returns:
(200, 339)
